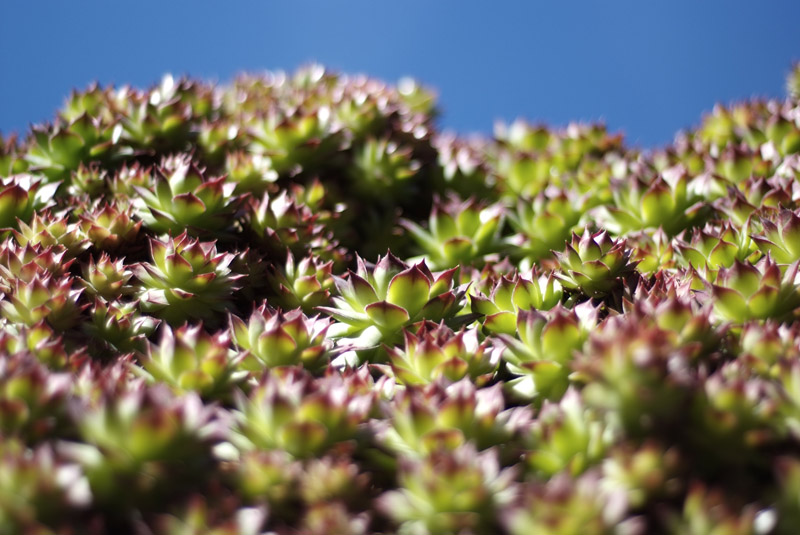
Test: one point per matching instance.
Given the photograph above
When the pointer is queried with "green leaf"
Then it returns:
(409, 289)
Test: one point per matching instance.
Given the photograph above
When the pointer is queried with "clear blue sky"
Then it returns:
(646, 67)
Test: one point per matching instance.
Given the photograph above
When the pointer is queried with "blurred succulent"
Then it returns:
(652, 252)
(449, 492)
(741, 410)
(271, 339)
(205, 516)
(39, 489)
(645, 474)
(567, 437)
(192, 360)
(639, 376)
(268, 475)
(459, 232)
(511, 296)
(462, 166)
(295, 143)
(39, 341)
(61, 148)
(421, 420)
(183, 199)
(542, 354)
(187, 279)
(139, 444)
(568, 506)
(545, 223)
(373, 305)
(667, 202)
(436, 352)
(288, 411)
(793, 82)
(90, 180)
(381, 169)
(594, 263)
(120, 325)
(21, 196)
(251, 173)
(32, 259)
(305, 284)
(706, 512)
(758, 291)
(32, 399)
(163, 117)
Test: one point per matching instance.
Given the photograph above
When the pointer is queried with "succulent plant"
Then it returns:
(110, 226)
(191, 360)
(435, 352)
(449, 492)
(287, 411)
(758, 291)
(541, 354)
(594, 263)
(545, 223)
(43, 297)
(49, 229)
(21, 196)
(458, 233)
(571, 506)
(374, 304)
(187, 279)
(39, 489)
(512, 296)
(434, 417)
(567, 437)
(271, 339)
(183, 199)
(107, 278)
(305, 284)
(119, 325)
(781, 238)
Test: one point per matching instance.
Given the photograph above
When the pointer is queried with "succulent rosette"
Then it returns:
(541, 354)
(110, 226)
(511, 296)
(712, 248)
(21, 196)
(435, 353)
(594, 263)
(182, 198)
(187, 279)
(545, 223)
(305, 284)
(781, 237)
(287, 411)
(374, 304)
(271, 339)
(459, 232)
(192, 360)
(450, 492)
(433, 417)
(759, 291)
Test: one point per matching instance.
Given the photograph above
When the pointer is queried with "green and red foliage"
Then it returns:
(291, 305)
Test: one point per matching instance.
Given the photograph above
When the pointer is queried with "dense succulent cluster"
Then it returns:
(290, 305)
